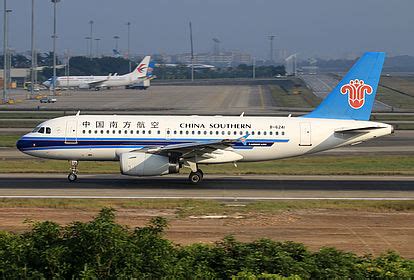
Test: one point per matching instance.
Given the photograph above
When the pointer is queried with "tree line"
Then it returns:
(104, 249)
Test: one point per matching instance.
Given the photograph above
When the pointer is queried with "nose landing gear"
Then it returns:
(73, 171)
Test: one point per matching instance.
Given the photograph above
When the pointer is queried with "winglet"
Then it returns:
(243, 139)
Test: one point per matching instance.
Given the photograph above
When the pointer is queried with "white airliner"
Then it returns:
(160, 145)
(99, 82)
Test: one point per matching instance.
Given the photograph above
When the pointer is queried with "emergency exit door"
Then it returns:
(305, 134)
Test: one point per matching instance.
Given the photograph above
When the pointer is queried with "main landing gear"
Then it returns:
(73, 171)
(196, 177)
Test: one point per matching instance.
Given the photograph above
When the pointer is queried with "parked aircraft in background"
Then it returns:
(160, 145)
(144, 84)
(196, 66)
(99, 82)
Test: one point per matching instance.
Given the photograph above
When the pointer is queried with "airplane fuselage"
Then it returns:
(106, 137)
(87, 81)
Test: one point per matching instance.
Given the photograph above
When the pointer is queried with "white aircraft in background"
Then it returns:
(99, 82)
(196, 66)
(160, 145)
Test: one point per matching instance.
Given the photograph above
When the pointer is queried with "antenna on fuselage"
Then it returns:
(78, 113)
(242, 114)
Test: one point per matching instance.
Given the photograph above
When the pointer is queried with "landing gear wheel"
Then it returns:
(73, 171)
(72, 177)
(195, 177)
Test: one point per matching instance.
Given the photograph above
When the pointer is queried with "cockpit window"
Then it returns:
(42, 130)
(48, 130)
(36, 129)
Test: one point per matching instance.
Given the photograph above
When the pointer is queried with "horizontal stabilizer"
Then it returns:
(365, 129)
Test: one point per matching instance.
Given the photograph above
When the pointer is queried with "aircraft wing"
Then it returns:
(97, 83)
(187, 150)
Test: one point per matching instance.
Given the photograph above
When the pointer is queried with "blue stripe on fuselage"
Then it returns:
(46, 143)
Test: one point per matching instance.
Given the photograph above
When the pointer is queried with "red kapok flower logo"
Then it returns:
(356, 90)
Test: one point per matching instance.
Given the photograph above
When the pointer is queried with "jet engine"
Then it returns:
(145, 164)
(84, 86)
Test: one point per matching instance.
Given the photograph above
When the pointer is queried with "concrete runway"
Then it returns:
(213, 187)
(212, 99)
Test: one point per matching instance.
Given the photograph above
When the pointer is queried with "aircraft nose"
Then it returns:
(22, 144)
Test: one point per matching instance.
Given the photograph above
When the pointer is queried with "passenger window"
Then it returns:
(159, 132)
(241, 132)
(113, 131)
(211, 132)
(96, 132)
(228, 132)
(83, 131)
(192, 132)
(168, 132)
(42, 130)
(252, 132)
(119, 131)
(102, 132)
(132, 132)
(217, 133)
(186, 132)
(283, 133)
(270, 132)
(181, 132)
(199, 132)
(264, 132)
(175, 131)
(89, 131)
(205, 132)
(149, 131)
(143, 132)
(258, 133)
(107, 132)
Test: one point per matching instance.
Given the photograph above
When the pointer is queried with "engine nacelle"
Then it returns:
(84, 86)
(145, 164)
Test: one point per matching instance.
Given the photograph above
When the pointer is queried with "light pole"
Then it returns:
(97, 46)
(254, 68)
(54, 45)
(87, 38)
(91, 38)
(32, 71)
(192, 52)
(8, 50)
(129, 31)
(116, 37)
(271, 38)
(5, 49)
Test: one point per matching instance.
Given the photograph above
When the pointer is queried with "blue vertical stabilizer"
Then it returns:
(354, 96)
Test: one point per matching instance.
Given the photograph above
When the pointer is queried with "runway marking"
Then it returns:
(203, 197)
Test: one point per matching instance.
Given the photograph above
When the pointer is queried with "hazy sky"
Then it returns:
(324, 28)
